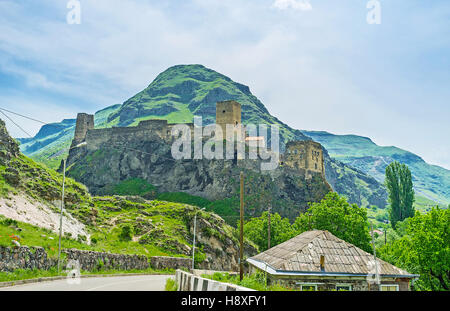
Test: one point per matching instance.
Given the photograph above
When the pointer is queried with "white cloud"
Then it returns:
(302, 5)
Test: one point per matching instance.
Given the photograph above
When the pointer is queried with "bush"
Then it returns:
(126, 233)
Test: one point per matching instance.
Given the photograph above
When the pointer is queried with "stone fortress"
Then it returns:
(299, 155)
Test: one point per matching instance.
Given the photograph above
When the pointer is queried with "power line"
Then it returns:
(29, 118)
(15, 123)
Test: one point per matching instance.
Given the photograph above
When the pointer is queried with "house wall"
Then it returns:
(329, 283)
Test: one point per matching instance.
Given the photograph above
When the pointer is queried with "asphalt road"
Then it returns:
(117, 283)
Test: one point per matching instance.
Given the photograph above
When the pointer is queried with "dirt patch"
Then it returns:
(25, 209)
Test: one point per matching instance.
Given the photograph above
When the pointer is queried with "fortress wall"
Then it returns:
(85, 122)
(304, 155)
(145, 130)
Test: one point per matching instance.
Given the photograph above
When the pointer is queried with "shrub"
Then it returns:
(125, 233)
(171, 285)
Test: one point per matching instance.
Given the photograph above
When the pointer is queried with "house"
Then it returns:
(318, 260)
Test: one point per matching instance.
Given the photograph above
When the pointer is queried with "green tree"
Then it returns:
(401, 193)
(346, 221)
(126, 233)
(424, 250)
(257, 230)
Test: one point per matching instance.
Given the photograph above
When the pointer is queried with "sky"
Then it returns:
(315, 64)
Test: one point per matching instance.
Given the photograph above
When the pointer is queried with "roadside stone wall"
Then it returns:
(25, 257)
(90, 260)
(161, 262)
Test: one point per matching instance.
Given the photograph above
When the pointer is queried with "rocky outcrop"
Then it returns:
(119, 158)
(9, 148)
(343, 179)
(221, 249)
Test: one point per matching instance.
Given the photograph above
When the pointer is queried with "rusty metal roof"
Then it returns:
(302, 254)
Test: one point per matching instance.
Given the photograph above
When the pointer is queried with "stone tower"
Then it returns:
(85, 122)
(228, 112)
(307, 155)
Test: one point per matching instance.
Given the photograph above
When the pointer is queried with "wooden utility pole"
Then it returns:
(241, 248)
(268, 229)
(377, 273)
(61, 216)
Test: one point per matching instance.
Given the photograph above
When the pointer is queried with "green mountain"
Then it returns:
(183, 91)
(430, 181)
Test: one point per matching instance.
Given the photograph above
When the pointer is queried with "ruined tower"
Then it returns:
(84, 123)
(228, 112)
(307, 155)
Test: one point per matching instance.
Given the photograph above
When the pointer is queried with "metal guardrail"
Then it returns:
(189, 282)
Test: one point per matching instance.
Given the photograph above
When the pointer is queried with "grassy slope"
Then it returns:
(431, 182)
(163, 224)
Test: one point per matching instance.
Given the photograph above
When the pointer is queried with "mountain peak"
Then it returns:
(182, 91)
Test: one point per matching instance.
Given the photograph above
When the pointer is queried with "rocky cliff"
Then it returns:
(124, 158)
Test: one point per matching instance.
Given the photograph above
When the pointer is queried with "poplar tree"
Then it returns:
(401, 193)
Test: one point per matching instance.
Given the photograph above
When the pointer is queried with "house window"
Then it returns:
(389, 288)
(343, 287)
(308, 287)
